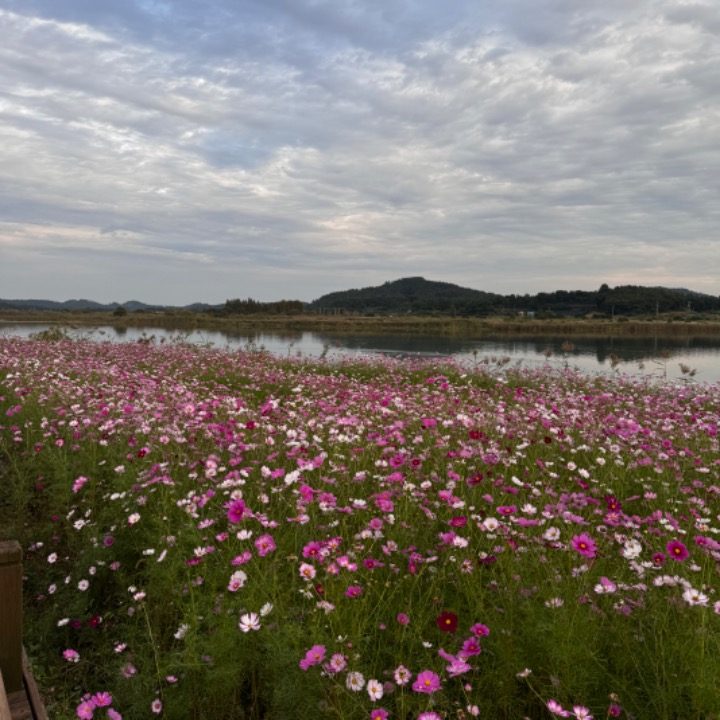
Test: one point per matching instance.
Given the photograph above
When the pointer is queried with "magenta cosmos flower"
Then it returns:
(584, 545)
(677, 550)
(427, 682)
(236, 510)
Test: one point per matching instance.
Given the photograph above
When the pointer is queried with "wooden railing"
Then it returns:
(19, 696)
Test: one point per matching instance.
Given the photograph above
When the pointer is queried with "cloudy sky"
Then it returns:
(180, 150)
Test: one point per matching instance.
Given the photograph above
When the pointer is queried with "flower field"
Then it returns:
(219, 535)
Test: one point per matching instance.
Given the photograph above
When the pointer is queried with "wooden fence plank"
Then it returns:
(4, 707)
(33, 694)
(11, 616)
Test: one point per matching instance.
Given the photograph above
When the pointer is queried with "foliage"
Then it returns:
(254, 307)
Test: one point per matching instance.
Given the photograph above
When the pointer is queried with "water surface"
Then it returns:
(657, 357)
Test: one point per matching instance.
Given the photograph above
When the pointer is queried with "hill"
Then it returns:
(411, 295)
(92, 306)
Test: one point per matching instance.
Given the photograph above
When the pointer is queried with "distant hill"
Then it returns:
(92, 306)
(420, 296)
(410, 295)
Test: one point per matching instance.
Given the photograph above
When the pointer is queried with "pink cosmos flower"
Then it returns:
(128, 670)
(426, 682)
(113, 714)
(480, 630)
(457, 664)
(265, 544)
(429, 715)
(236, 510)
(584, 545)
(102, 699)
(78, 483)
(156, 706)
(71, 655)
(85, 710)
(242, 558)
(677, 550)
(379, 714)
(314, 656)
(470, 648)
(557, 709)
(402, 619)
(353, 591)
(336, 664)
(312, 549)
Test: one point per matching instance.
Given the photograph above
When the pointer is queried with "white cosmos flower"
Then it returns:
(237, 580)
(375, 689)
(695, 597)
(631, 549)
(355, 681)
(266, 609)
(249, 621)
(307, 571)
(181, 631)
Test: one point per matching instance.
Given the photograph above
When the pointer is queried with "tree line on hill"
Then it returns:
(419, 296)
(254, 307)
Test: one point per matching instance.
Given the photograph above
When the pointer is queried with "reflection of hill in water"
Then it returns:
(627, 349)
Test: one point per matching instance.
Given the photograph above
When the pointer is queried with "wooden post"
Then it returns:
(11, 615)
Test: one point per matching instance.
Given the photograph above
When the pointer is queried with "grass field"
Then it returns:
(230, 535)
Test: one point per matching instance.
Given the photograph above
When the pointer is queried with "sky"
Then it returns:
(174, 151)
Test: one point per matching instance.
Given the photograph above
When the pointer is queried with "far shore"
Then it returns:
(469, 327)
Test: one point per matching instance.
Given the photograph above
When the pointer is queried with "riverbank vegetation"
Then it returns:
(669, 325)
(231, 535)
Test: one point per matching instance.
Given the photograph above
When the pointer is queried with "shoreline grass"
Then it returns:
(473, 328)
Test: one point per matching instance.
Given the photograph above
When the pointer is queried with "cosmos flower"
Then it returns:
(314, 656)
(447, 621)
(355, 681)
(426, 682)
(374, 689)
(677, 550)
(584, 545)
(249, 621)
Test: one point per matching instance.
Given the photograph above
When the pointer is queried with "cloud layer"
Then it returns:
(181, 151)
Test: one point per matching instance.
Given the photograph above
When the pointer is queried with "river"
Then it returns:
(687, 358)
